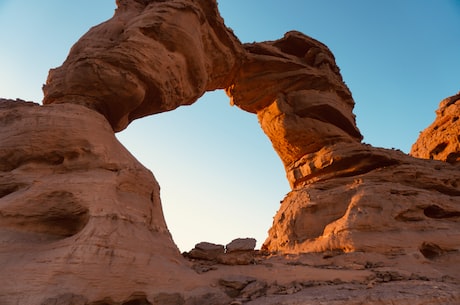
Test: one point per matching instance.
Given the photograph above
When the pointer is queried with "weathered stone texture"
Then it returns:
(78, 213)
(441, 140)
(150, 57)
(301, 101)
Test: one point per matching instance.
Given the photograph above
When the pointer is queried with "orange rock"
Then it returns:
(81, 220)
(441, 140)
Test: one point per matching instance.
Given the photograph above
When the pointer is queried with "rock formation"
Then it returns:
(305, 109)
(441, 140)
(403, 207)
(346, 196)
(81, 219)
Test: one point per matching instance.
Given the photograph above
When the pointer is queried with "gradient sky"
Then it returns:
(220, 178)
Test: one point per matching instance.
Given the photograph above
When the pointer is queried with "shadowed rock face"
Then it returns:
(154, 56)
(347, 196)
(441, 140)
(82, 216)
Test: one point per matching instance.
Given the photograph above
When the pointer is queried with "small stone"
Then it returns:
(210, 298)
(66, 299)
(168, 299)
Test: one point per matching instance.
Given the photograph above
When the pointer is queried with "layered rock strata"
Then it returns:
(239, 251)
(441, 140)
(347, 196)
(78, 213)
(150, 57)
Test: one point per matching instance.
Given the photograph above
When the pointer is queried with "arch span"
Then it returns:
(220, 178)
(154, 56)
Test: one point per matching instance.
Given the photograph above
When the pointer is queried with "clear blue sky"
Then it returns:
(219, 175)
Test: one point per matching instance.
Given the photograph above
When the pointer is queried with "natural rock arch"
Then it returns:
(154, 56)
(62, 163)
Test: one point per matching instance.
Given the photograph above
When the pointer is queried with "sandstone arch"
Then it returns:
(219, 176)
(140, 65)
(151, 57)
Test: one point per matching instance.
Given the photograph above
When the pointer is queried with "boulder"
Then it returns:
(206, 251)
(241, 244)
(238, 252)
(391, 209)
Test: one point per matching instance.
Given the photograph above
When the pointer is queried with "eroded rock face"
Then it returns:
(441, 140)
(76, 209)
(305, 109)
(150, 57)
(392, 209)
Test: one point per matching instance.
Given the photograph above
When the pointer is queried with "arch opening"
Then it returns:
(219, 175)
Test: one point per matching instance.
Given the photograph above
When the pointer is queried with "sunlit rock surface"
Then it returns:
(441, 140)
(150, 57)
(297, 92)
(347, 196)
(400, 207)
